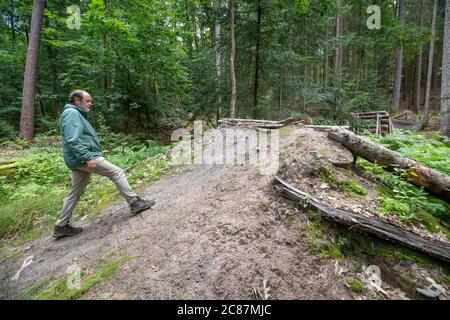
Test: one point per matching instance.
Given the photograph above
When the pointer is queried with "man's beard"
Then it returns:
(84, 108)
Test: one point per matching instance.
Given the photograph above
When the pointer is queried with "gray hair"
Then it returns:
(77, 94)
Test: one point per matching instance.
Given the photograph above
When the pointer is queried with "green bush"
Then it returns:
(33, 195)
(7, 131)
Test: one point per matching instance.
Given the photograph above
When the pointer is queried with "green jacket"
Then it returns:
(80, 142)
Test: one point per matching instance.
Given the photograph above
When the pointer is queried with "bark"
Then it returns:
(217, 28)
(189, 37)
(257, 60)
(398, 66)
(419, 67)
(30, 75)
(54, 87)
(417, 174)
(430, 69)
(13, 22)
(105, 73)
(445, 86)
(232, 58)
(339, 49)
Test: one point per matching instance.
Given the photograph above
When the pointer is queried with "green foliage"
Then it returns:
(350, 187)
(45, 167)
(433, 150)
(59, 290)
(33, 194)
(356, 285)
(355, 244)
(6, 131)
(317, 240)
(410, 203)
(402, 198)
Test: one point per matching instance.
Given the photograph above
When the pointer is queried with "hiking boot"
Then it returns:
(140, 205)
(66, 231)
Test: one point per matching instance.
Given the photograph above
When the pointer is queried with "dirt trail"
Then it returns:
(216, 232)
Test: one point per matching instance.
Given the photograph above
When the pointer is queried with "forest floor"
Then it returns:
(223, 232)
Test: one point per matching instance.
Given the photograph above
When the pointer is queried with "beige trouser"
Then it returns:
(80, 179)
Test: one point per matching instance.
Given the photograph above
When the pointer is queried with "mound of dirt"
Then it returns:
(216, 232)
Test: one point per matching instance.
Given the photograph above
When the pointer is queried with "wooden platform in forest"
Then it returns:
(378, 122)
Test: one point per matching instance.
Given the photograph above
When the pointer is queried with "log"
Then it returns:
(8, 169)
(370, 113)
(436, 183)
(269, 126)
(290, 120)
(382, 229)
(235, 120)
(324, 128)
(373, 117)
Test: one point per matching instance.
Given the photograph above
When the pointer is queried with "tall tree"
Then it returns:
(419, 65)
(232, 58)
(445, 90)
(426, 114)
(29, 82)
(13, 22)
(217, 29)
(257, 58)
(339, 49)
(398, 63)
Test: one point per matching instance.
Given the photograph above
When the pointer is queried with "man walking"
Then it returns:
(83, 155)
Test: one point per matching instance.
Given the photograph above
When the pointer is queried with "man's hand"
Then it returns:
(91, 164)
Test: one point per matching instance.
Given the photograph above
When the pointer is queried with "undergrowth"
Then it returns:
(32, 192)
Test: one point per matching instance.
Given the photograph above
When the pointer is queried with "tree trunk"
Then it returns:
(419, 66)
(13, 22)
(29, 82)
(426, 114)
(257, 57)
(232, 57)
(189, 36)
(418, 174)
(105, 72)
(398, 65)
(445, 86)
(53, 81)
(339, 49)
(379, 228)
(217, 27)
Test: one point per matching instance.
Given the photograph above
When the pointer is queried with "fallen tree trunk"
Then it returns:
(418, 174)
(382, 229)
(264, 124)
(323, 128)
(254, 121)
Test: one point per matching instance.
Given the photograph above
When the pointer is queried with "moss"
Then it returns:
(264, 207)
(349, 187)
(429, 221)
(313, 216)
(60, 291)
(332, 251)
(38, 286)
(447, 275)
(290, 222)
(356, 285)
(391, 205)
(317, 239)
